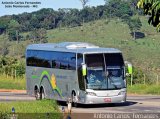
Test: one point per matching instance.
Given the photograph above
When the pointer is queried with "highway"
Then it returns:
(134, 104)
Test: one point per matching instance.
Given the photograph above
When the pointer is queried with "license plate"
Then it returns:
(107, 99)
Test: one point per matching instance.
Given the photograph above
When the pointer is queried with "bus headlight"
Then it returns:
(91, 93)
(122, 93)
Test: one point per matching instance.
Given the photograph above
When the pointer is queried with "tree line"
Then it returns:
(47, 18)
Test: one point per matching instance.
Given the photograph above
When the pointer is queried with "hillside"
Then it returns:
(144, 52)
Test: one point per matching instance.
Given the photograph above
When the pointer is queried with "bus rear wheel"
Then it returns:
(42, 94)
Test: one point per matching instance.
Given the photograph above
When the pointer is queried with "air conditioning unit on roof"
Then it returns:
(81, 45)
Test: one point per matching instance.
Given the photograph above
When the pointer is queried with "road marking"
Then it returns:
(147, 110)
(134, 109)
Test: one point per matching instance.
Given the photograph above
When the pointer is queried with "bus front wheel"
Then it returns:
(74, 103)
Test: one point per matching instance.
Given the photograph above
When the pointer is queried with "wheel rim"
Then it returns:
(36, 94)
(73, 98)
(74, 101)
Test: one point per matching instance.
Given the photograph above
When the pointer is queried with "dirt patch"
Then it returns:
(13, 90)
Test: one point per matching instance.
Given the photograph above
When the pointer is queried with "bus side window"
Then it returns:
(43, 59)
(31, 59)
(55, 57)
(72, 61)
(64, 60)
(54, 65)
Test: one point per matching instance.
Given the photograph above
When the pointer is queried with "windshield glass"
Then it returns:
(99, 80)
(96, 79)
(115, 77)
(105, 73)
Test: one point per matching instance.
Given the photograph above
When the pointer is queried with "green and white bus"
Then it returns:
(86, 73)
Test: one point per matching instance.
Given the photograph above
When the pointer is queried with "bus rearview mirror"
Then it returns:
(129, 68)
(84, 69)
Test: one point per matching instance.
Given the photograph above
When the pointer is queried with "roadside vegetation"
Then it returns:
(8, 82)
(144, 89)
(41, 109)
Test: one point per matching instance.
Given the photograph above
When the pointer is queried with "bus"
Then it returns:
(83, 72)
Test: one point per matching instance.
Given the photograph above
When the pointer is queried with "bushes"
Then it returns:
(141, 77)
(144, 89)
(12, 66)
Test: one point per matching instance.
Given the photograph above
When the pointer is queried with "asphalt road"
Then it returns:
(134, 104)
(14, 96)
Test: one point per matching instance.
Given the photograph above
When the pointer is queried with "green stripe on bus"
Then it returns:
(34, 76)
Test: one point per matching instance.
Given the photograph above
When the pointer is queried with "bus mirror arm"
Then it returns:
(84, 69)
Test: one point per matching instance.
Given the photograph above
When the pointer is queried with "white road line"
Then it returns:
(134, 109)
(147, 110)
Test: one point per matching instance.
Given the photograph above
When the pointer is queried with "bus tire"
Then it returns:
(75, 104)
(36, 93)
(42, 94)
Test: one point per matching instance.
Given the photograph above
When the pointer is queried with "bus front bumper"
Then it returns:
(101, 100)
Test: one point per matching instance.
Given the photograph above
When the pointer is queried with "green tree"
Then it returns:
(84, 2)
(19, 51)
(134, 25)
(4, 20)
(39, 35)
(152, 9)
(71, 18)
(34, 22)
(24, 20)
(42, 35)
(34, 36)
(4, 47)
(10, 64)
(13, 30)
(13, 24)
(118, 8)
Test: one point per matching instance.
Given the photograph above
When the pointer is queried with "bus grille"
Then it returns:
(107, 94)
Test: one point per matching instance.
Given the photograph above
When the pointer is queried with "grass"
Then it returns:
(11, 83)
(144, 89)
(31, 110)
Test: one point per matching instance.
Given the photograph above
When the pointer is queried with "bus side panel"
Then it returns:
(57, 83)
(31, 79)
(66, 82)
(48, 90)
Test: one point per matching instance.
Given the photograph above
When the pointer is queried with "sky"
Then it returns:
(55, 4)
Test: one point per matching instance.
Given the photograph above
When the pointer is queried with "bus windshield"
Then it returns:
(104, 73)
(96, 79)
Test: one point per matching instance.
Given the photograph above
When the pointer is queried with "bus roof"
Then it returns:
(75, 47)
